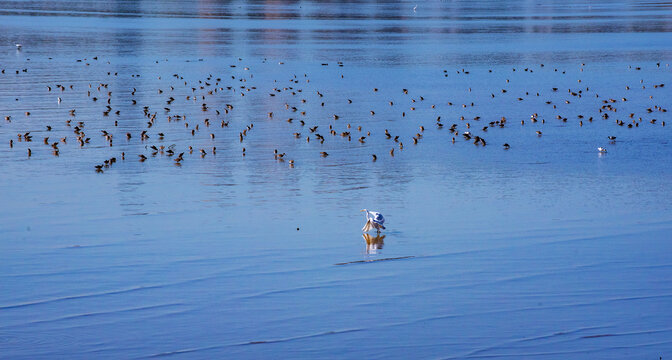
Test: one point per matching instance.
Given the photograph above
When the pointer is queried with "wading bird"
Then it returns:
(374, 220)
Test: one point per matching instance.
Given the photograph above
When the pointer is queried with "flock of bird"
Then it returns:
(200, 106)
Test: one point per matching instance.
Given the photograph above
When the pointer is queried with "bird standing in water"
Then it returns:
(374, 220)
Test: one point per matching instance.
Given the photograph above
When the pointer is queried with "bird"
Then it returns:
(612, 138)
(601, 150)
(374, 220)
(18, 46)
(179, 158)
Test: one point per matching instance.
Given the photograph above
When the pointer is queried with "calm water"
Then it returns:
(546, 250)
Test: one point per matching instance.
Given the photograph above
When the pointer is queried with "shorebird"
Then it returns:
(374, 220)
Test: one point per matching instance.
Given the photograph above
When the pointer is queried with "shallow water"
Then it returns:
(545, 250)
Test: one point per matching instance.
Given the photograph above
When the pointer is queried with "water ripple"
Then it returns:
(253, 342)
(94, 314)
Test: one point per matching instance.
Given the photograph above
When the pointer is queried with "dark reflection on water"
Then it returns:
(352, 10)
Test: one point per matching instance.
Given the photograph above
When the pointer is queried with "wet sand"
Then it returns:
(250, 245)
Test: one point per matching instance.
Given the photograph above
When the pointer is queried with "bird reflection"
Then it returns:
(373, 243)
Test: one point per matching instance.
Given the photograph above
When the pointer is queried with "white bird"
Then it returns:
(18, 46)
(601, 149)
(415, 8)
(374, 220)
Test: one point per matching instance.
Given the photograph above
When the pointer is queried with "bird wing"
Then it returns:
(377, 217)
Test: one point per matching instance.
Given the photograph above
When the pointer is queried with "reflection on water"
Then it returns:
(373, 243)
(395, 35)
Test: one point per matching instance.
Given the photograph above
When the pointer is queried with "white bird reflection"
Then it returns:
(373, 243)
